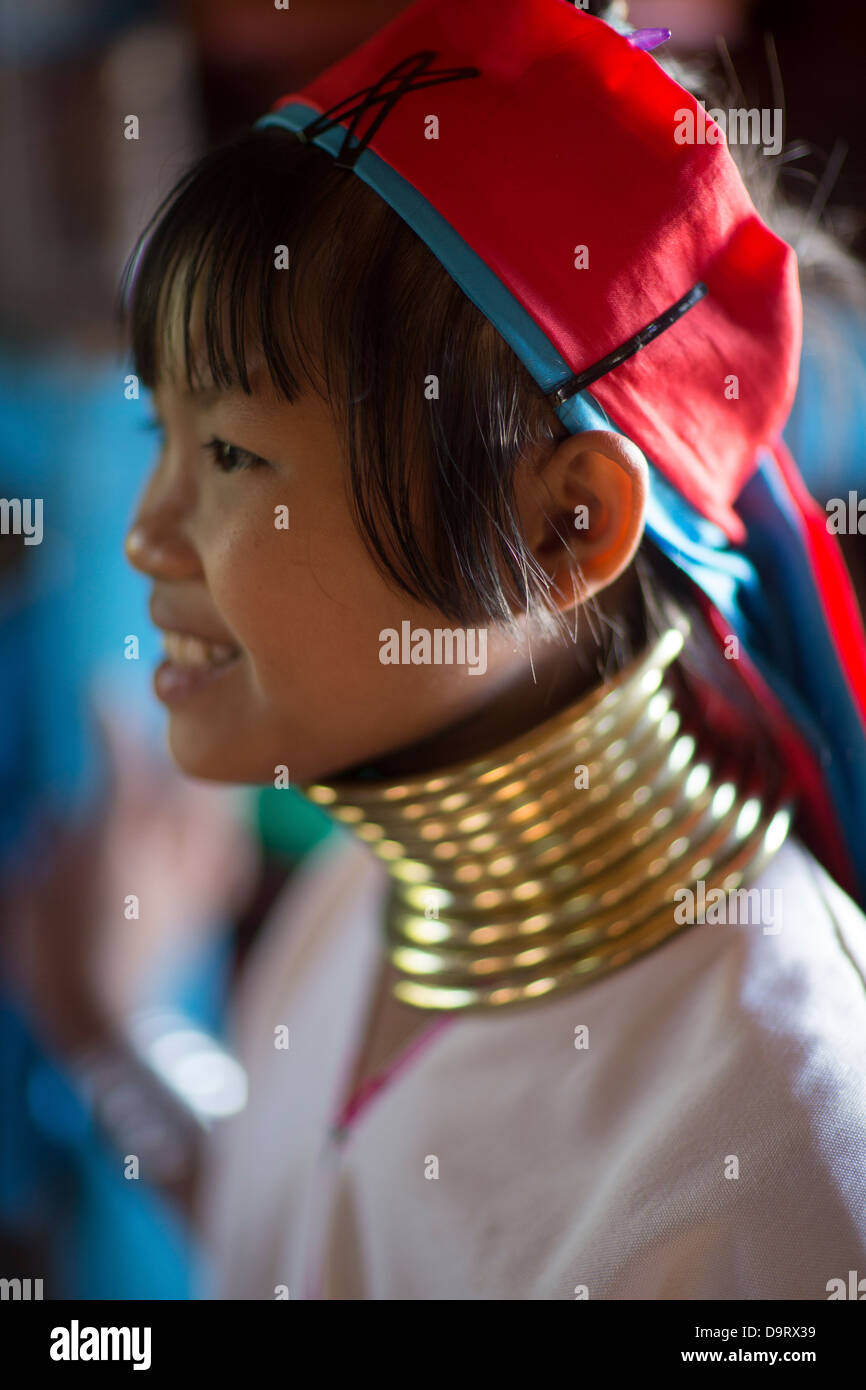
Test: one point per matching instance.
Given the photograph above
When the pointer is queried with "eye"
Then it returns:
(229, 458)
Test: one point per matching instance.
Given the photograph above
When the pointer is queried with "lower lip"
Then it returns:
(175, 684)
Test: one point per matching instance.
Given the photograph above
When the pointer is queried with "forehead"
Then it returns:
(171, 385)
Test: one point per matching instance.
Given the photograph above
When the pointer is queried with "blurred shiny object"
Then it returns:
(197, 1068)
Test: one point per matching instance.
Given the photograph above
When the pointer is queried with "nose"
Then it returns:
(157, 542)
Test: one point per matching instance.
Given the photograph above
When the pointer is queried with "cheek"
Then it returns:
(305, 603)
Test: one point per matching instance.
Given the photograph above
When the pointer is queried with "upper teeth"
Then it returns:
(192, 651)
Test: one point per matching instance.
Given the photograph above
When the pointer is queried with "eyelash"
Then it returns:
(220, 450)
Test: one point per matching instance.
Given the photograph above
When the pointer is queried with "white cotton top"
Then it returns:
(708, 1141)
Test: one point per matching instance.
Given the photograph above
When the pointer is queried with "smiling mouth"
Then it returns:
(194, 654)
(192, 665)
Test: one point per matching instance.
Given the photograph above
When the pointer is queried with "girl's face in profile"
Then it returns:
(277, 616)
(271, 603)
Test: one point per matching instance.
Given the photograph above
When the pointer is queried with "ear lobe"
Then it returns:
(585, 514)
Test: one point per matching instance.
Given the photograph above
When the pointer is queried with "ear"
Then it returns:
(582, 509)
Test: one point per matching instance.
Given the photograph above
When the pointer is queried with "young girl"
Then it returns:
(471, 520)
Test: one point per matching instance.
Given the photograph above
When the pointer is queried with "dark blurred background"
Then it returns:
(91, 809)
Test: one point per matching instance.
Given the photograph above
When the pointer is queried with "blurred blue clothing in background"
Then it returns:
(69, 436)
(104, 1236)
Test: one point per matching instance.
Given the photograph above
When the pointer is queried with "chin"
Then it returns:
(228, 758)
(211, 760)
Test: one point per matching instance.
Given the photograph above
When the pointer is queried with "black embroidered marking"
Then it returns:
(409, 75)
(569, 388)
